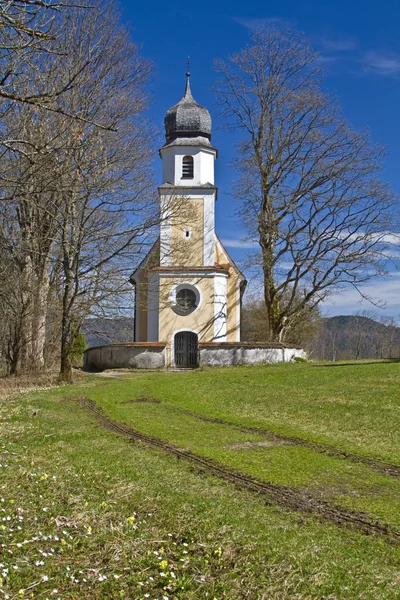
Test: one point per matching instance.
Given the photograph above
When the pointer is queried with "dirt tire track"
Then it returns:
(142, 400)
(382, 467)
(274, 494)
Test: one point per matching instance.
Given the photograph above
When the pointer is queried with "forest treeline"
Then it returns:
(363, 335)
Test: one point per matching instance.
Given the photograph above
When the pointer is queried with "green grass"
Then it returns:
(111, 519)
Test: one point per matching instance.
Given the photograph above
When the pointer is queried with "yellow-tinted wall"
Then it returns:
(233, 299)
(142, 304)
(201, 320)
(187, 213)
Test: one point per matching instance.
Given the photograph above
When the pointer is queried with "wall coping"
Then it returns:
(261, 345)
(130, 345)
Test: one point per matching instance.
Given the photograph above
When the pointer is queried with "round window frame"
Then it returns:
(178, 288)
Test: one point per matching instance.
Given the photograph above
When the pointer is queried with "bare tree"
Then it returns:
(31, 204)
(255, 324)
(30, 30)
(363, 336)
(308, 184)
(108, 205)
(390, 341)
(77, 192)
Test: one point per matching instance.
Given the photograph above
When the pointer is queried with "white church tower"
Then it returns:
(188, 289)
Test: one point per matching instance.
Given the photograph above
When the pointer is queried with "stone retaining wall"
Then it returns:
(224, 355)
(153, 355)
(148, 355)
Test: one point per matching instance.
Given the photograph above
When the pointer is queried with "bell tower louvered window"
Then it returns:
(187, 167)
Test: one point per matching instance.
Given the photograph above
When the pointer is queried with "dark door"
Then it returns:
(186, 350)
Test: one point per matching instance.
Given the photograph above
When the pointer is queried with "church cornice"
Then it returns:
(198, 141)
(179, 190)
(181, 271)
(203, 186)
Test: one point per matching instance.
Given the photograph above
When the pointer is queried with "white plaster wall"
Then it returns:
(153, 308)
(239, 355)
(165, 231)
(209, 233)
(238, 315)
(168, 166)
(203, 163)
(291, 353)
(130, 355)
(137, 312)
(124, 356)
(220, 308)
(206, 167)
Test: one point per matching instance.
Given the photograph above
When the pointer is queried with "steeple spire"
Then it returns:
(187, 119)
(188, 93)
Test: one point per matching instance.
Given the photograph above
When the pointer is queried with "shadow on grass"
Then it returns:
(359, 363)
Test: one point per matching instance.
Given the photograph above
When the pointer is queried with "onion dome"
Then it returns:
(187, 119)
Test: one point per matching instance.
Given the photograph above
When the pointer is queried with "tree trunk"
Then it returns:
(66, 361)
(14, 351)
(39, 319)
(25, 325)
(275, 318)
(66, 337)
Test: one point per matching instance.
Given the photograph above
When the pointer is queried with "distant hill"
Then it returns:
(99, 332)
(356, 337)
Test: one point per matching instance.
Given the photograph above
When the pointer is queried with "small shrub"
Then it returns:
(78, 349)
(299, 359)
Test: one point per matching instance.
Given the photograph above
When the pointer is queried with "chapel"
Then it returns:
(188, 290)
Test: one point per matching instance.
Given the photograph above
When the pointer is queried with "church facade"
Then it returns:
(188, 290)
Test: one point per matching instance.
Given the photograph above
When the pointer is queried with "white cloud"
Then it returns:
(254, 24)
(394, 254)
(380, 63)
(391, 238)
(323, 58)
(386, 237)
(349, 300)
(337, 44)
(238, 243)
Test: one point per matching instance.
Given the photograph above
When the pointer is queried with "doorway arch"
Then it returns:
(186, 350)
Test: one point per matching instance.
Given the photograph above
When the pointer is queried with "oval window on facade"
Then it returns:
(185, 299)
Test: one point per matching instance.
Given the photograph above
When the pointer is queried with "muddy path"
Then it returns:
(272, 494)
(382, 467)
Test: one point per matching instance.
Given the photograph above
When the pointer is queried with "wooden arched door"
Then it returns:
(186, 350)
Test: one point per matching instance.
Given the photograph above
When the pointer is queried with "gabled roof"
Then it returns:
(230, 259)
(152, 262)
(152, 255)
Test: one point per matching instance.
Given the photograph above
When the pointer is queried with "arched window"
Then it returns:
(187, 167)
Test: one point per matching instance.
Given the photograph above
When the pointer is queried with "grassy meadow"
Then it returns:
(269, 483)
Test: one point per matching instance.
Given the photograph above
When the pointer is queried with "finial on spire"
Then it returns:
(188, 93)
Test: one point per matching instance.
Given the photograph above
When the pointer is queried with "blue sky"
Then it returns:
(360, 45)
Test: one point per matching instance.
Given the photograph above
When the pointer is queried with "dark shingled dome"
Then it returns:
(187, 118)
